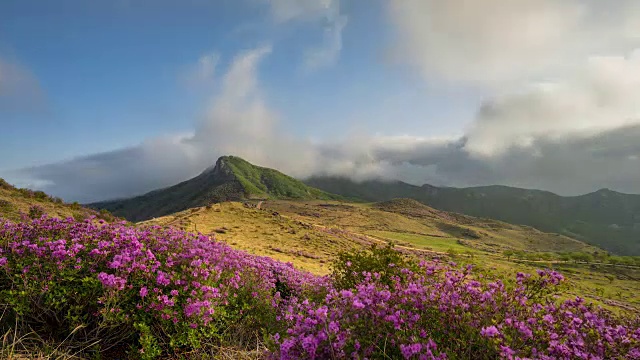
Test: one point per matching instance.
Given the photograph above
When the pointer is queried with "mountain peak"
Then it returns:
(230, 179)
(221, 165)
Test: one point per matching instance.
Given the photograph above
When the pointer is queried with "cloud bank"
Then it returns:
(494, 42)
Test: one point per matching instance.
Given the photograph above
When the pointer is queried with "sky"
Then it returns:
(109, 99)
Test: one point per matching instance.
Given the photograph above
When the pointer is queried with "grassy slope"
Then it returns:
(261, 182)
(14, 202)
(263, 232)
(310, 233)
(605, 218)
(231, 179)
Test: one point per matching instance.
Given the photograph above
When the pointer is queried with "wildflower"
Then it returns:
(490, 331)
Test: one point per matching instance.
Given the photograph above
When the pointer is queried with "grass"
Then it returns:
(263, 233)
(310, 234)
(437, 244)
(265, 183)
(14, 202)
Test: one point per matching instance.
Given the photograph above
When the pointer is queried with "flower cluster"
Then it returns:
(92, 272)
(162, 290)
(439, 312)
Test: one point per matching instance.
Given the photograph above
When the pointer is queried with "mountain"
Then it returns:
(605, 218)
(230, 179)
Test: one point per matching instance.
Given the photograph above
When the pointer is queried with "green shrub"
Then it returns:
(350, 267)
(79, 215)
(4, 184)
(40, 195)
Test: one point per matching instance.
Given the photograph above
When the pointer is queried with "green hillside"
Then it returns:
(605, 218)
(231, 179)
(16, 202)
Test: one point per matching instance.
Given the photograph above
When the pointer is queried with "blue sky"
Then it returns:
(110, 74)
(455, 93)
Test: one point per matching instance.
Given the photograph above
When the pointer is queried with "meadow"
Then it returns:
(93, 289)
(310, 234)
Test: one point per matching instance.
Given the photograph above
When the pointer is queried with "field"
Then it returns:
(310, 234)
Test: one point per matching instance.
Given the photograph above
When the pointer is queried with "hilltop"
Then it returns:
(605, 218)
(230, 179)
(14, 202)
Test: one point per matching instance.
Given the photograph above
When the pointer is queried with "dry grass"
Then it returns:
(13, 203)
(263, 232)
(310, 233)
(21, 343)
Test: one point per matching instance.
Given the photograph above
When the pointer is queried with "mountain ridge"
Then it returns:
(605, 218)
(230, 179)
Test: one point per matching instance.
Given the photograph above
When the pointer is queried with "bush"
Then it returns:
(79, 216)
(41, 195)
(581, 257)
(351, 268)
(440, 312)
(4, 184)
(165, 293)
(35, 212)
(156, 291)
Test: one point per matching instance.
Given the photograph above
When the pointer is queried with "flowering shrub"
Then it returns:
(440, 312)
(35, 212)
(350, 267)
(164, 291)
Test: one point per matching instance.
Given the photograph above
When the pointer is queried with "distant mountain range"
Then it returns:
(605, 218)
(230, 179)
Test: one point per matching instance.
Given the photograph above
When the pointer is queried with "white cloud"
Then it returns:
(317, 12)
(327, 54)
(598, 96)
(237, 122)
(202, 72)
(496, 42)
(303, 10)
